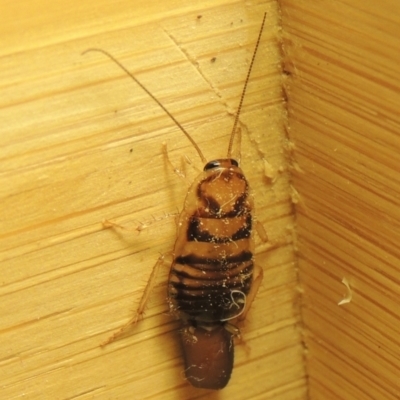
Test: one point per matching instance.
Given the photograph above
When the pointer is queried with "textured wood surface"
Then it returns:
(80, 143)
(342, 61)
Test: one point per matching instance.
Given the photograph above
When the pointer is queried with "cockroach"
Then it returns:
(213, 278)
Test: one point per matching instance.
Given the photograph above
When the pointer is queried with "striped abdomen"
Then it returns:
(213, 257)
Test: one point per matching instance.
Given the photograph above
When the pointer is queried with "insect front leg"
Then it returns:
(142, 303)
(179, 171)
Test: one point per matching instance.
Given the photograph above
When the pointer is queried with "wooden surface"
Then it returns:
(342, 60)
(80, 143)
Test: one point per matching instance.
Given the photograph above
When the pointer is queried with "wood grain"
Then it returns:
(342, 61)
(80, 143)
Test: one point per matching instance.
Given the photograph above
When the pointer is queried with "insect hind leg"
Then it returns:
(142, 303)
(258, 274)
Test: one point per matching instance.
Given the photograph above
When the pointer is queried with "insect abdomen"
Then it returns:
(212, 271)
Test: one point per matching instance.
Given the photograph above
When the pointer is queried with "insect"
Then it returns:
(213, 278)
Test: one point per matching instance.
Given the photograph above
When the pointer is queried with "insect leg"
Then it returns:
(110, 224)
(267, 244)
(142, 304)
(179, 171)
(257, 279)
(261, 231)
(141, 225)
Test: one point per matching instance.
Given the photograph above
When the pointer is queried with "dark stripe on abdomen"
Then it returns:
(192, 259)
(195, 233)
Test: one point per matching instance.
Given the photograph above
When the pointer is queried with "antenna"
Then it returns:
(170, 115)
(244, 90)
(152, 96)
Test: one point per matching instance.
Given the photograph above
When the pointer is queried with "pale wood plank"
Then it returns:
(80, 143)
(342, 60)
